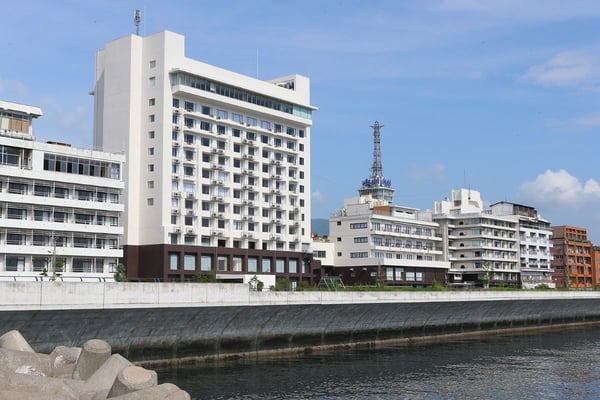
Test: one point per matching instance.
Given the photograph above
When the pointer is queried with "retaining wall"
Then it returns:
(151, 321)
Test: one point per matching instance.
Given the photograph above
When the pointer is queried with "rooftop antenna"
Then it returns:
(137, 18)
(376, 185)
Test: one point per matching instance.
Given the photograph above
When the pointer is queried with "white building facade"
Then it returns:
(482, 248)
(60, 207)
(218, 163)
(394, 245)
(535, 244)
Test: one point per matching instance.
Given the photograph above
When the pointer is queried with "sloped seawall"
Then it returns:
(218, 321)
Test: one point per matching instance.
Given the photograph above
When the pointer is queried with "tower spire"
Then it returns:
(377, 168)
(376, 185)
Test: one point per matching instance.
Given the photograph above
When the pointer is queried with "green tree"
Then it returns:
(487, 274)
(282, 283)
(121, 273)
(210, 277)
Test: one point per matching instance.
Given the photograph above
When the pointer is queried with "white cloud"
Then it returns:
(566, 69)
(318, 197)
(434, 171)
(13, 90)
(558, 189)
(588, 121)
(531, 10)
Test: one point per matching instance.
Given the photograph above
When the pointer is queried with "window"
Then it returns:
(152, 81)
(280, 265)
(252, 264)
(150, 201)
(292, 266)
(221, 263)
(151, 118)
(189, 262)
(153, 65)
(151, 151)
(266, 265)
(151, 102)
(173, 261)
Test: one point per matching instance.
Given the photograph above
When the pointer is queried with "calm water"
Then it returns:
(554, 365)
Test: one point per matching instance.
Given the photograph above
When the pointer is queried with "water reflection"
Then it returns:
(553, 365)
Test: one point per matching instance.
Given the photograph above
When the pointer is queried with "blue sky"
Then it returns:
(500, 96)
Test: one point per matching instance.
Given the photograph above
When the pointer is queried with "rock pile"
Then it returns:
(73, 373)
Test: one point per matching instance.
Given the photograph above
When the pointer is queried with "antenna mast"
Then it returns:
(377, 168)
(137, 18)
(376, 185)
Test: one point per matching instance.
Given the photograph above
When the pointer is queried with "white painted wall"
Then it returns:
(85, 295)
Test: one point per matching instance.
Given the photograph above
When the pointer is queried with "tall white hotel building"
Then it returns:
(217, 164)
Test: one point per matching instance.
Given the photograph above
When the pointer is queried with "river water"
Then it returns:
(561, 364)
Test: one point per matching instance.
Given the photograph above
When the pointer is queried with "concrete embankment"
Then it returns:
(148, 322)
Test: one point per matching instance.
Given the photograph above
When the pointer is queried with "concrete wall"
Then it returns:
(148, 321)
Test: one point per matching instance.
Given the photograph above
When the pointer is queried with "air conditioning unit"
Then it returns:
(245, 235)
(214, 182)
(215, 233)
(177, 230)
(214, 197)
(190, 212)
(176, 161)
(245, 156)
(190, 230)
(190, 195)
(220, 151)
(245, 218)
(176, 177)
(214, 150)
(176, 194)
(177, 128)
(175, 144)
(220, 215)
(245, 141)
(213, 215)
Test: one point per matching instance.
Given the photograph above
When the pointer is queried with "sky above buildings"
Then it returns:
(499, 96)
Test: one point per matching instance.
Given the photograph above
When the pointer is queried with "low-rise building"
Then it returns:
(60, 207)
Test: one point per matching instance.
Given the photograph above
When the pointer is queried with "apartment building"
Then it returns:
(535, 243)
(482, 248)
(60, 207)
(218, 163)
(573, 258)
(376, 241)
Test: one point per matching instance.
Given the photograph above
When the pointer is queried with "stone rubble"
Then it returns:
(72, 373)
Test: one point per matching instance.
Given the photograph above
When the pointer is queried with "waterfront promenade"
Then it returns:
(162, 322)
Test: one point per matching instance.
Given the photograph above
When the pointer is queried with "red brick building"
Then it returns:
(573, 261)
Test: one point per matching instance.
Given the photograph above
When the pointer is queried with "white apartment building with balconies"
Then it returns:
(535, 243)
(218, 163)
(60, 207)
(376, 241)
(482, 248)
